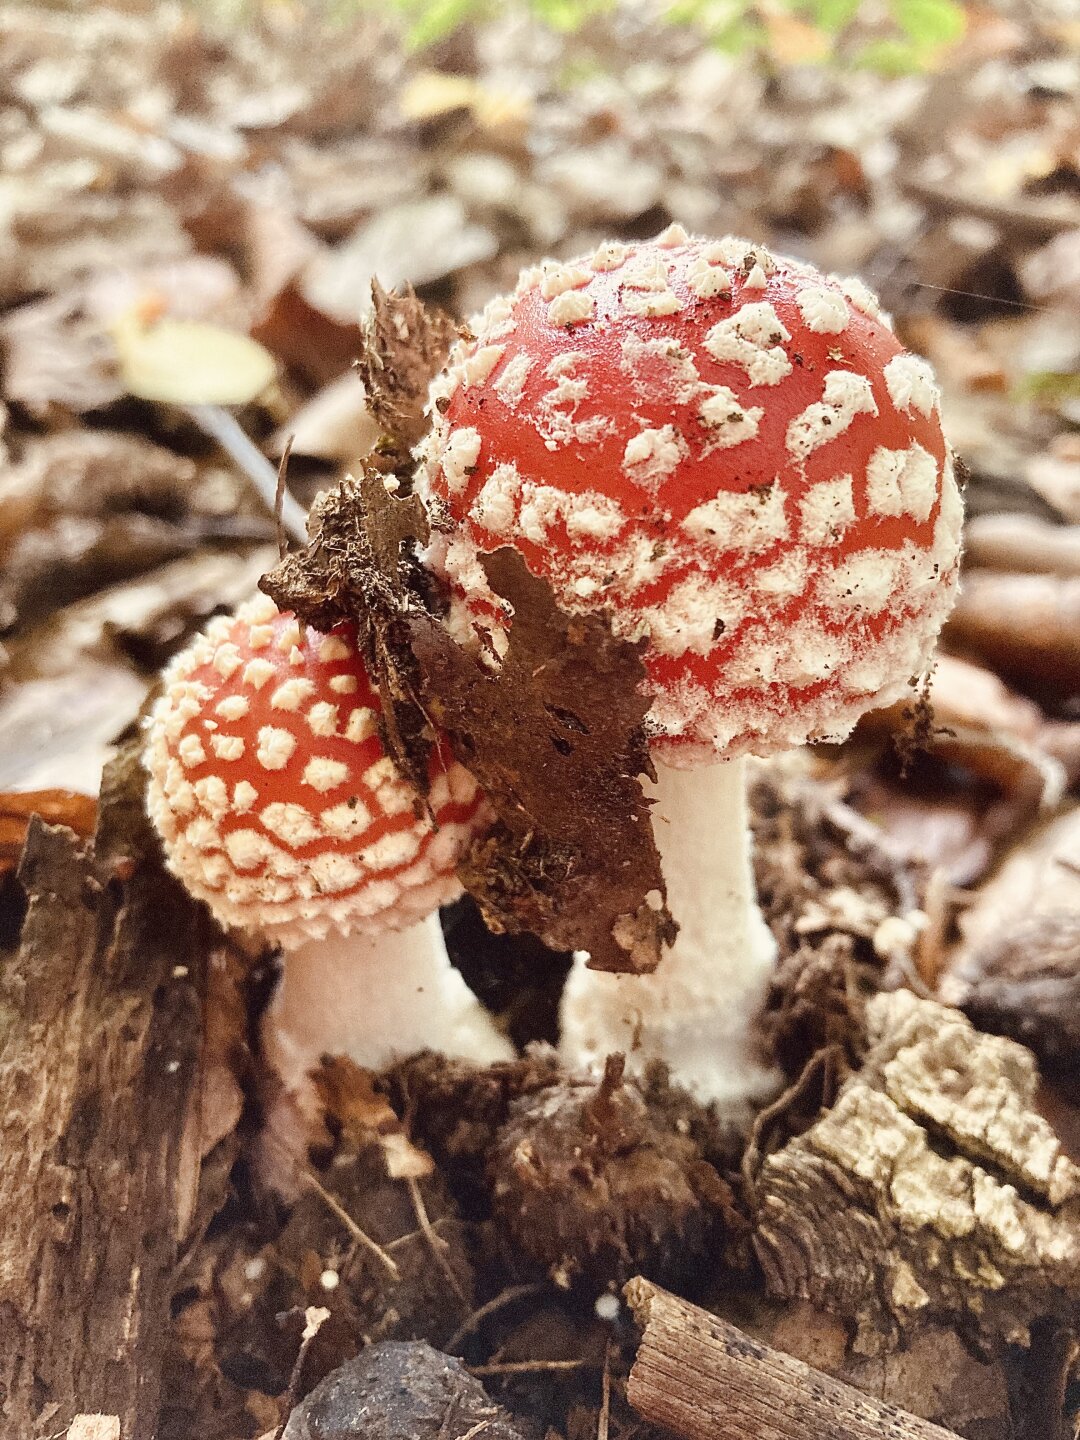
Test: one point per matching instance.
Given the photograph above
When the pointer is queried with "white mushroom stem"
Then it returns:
(697, 1010)
(375, 998)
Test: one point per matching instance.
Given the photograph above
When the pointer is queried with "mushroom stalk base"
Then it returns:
(697, 1010)
(375, 998)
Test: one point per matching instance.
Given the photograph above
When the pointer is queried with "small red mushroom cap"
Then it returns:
(730, 453)
(274, 796)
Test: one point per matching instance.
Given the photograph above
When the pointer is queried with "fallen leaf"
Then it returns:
(335, 424)
(188, 362)
(57, 807)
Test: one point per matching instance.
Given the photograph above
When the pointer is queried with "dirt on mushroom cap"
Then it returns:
(729, 452)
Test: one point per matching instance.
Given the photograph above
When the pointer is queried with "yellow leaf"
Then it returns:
(432, 93)
(187, 362)
(793, 41)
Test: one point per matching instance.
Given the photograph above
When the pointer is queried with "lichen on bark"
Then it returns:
(932, 1190)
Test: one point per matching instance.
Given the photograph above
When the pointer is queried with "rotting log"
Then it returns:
(704, 1379)
(100, 1057)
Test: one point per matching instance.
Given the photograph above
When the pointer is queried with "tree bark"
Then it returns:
(705, 1379)
(100, 1054)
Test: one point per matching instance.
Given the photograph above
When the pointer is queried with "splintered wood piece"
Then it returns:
(100, 1059)
(704, 1379)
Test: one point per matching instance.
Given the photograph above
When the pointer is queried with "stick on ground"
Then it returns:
(706, 1380)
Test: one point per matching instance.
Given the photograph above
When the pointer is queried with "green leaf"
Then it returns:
(435, 19)
(891, 57)
(1049, 387)
(831, 15)
(930, 23)
(568, 15)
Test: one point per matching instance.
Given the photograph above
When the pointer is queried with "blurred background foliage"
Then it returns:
(891, 36)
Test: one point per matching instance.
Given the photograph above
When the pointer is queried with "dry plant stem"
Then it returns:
(704, 1379)
(360, 1236)
(696, 1010)
(224, 427)
(479, 1315)
(100, 1057)
(530, 1367)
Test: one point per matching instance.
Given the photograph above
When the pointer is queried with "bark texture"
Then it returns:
(705, 1379)
(932, 1190)
(100, 1049)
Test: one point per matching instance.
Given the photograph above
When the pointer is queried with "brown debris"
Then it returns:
(1027, 627)
(555, 738)
(832, 888)
(589, 1182)
(1026, 984)
(405, 344)
(934, 1165)
(1016, 970)
(99, 1079)
(353, 568)
(456, 1110)
(55, 807)
(935, 1375)
(572, 856)
(357, 1243)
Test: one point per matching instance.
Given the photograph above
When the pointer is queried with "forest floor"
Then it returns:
(254, 182)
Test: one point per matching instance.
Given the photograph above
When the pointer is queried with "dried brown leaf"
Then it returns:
(56, 807)
(405, 344)
(1027, 627)
(353, 568)
(54, 356)
(1016, 970)
(360, 1113)
(554, 736)
(556, 739)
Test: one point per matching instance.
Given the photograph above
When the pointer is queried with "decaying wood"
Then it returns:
(99, 1067)
(705, 1379)
(931, 1190)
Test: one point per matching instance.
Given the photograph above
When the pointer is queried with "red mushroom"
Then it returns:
(280, 809)
(735, 458)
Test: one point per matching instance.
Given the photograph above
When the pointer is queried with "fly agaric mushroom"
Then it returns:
(734, 457)
(279, 807)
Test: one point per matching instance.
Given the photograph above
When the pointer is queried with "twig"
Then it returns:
(224, 428)
(315, 1318)
(279, 497)
(476, 1429)
(704, 1379)
(350, 1224)
(752, 1157)
(478, 1316)
(439, 1246)
(530, 1367)
(604, 1418)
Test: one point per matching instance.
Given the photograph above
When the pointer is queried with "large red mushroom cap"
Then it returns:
(728, 451)
(274, 796)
